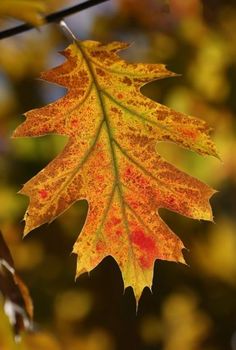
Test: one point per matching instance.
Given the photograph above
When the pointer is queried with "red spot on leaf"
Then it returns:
(136, 178)
(140, 239)
(142, 182)
(118, 233)
(134, 204)
(100, 178)
(171, 200)
(145, 262)
(120, 96)
(114, 109)
(127, 81)
(189, 134)
(100, 72)
(146, 246)
(100, 246)
(74, 122)
(171, 203)
(43, 194)
(128, 173)
(115, 221)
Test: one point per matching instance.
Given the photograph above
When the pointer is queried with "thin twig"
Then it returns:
(53, 17)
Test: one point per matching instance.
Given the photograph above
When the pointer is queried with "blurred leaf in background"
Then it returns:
(182, 324)
(25, 10)
(215, 255)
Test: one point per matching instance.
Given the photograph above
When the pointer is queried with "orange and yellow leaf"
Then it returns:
(111, 161)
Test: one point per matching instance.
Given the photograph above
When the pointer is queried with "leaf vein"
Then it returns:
(113, 155)
(74, 172)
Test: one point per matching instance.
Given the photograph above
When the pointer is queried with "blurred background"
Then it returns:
(191, 307)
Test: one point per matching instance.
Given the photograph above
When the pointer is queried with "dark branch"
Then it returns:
(54, 17)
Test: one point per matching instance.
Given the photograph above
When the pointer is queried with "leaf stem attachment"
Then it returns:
(68, 32)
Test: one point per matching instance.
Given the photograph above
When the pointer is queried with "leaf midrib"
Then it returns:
(113, 153)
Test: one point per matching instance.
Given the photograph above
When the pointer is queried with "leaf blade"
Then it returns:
(111, 161)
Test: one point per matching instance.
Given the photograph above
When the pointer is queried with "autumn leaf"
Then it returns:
(111, 161)
(25, 10)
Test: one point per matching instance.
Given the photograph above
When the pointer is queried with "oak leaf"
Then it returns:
(111, 161)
